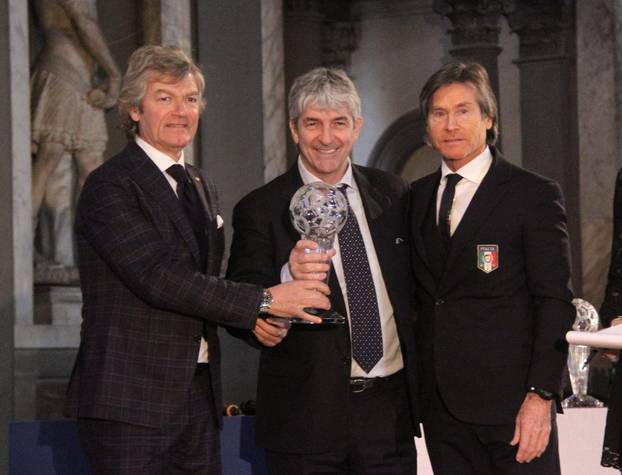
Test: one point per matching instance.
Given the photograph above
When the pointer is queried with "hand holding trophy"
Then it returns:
(318, 212)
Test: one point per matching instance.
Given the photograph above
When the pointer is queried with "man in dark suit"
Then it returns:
(146, 383)
(491, 262)
(334, 398)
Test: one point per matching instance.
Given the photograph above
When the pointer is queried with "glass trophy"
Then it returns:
(318, 212)
(578, 365)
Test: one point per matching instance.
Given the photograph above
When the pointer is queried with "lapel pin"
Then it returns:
(399, 240)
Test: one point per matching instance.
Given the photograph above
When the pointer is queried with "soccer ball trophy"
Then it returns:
(578, 366)
(318, 212)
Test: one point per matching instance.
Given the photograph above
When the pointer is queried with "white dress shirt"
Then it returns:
(163, 161)
(472, 175)
(391, 360)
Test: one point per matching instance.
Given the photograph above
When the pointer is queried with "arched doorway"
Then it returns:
(402, 150)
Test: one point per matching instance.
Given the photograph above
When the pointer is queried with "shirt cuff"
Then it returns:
(286, 275)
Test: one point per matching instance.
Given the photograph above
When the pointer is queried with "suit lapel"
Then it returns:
(423, 197)
(215, 236)
(374, 202)
(152, 181)
(486, 199)
(205, 199)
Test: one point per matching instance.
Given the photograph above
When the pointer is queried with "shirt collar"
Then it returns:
(161, 160)
(475, 170)
(308, 177)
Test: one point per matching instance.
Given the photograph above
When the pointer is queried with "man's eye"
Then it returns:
(193, 99)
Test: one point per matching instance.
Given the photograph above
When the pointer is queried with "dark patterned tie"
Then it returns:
(189, 200)
(364, 315)
(447, 201)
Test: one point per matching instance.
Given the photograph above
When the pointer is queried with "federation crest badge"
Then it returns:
(487, 257)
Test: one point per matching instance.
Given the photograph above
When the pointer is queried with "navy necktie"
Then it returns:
(362, 301)
(447, 201)
(189, 200)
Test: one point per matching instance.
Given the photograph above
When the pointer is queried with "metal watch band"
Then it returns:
(266, 301)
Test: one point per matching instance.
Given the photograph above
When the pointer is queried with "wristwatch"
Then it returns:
(543, 393)
(266, 301)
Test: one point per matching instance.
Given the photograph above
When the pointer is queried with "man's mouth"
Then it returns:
(327, 151)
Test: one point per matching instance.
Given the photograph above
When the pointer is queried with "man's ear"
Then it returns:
(134, 114)
(358, 125)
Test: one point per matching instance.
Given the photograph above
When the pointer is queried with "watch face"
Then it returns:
(266, 301)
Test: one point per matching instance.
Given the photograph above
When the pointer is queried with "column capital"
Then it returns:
(542, 27)
(475, 23)
(339, 40)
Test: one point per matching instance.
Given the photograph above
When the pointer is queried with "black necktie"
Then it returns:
(447, 201)
(189, 201)
(362, 301)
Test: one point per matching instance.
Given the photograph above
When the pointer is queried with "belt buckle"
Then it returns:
(358, 385)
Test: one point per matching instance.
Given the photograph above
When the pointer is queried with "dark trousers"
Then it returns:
(380, 438)
(190, 443)
(459, 448)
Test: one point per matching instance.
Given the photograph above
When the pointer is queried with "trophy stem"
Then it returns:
(324, 243)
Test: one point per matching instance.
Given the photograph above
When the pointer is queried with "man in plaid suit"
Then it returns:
(146, 383)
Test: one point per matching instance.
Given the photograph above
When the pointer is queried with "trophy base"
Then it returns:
(581, 401)
(328, 317)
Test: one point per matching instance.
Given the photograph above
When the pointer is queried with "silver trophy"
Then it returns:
(578, 364)
(318, 212)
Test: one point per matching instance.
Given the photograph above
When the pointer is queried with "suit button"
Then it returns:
(439, 302)
(346, 361)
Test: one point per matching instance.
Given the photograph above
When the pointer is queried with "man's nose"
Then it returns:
(451, 122)
(326, 136)
(181, 107)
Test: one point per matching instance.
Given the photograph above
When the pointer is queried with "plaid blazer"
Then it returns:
(146, 301)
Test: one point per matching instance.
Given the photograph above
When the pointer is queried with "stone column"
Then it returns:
(15, 212)
(617, 36)
(599, 81)
(475, 32)
(273, 87)
(242, 128)
(549, 101)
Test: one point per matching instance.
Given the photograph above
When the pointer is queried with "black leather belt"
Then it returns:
(358, 385)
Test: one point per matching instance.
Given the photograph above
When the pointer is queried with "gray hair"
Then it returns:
(149, 62)
(471, 73)
(323, 87)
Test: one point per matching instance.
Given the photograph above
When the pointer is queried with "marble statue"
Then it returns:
(73, 81)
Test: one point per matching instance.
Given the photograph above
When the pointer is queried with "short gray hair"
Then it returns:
(323, 87)
(465, 73)
(146, 63)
